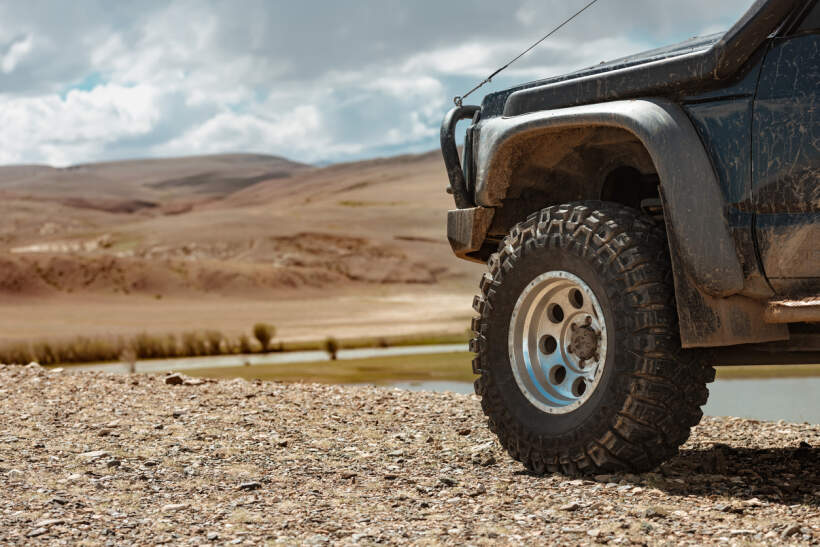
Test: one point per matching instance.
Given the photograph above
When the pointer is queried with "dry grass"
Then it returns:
(142, 346)
(83, 349)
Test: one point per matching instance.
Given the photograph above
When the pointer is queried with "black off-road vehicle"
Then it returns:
(642, 220)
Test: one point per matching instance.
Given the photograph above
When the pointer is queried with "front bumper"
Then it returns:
(467, 230)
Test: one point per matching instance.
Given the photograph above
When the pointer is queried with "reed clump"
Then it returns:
(84, 349)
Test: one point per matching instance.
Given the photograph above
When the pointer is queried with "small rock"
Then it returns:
(253, 485)
(14, 474)
(464, 432)
(58, 501)
(178, 413)
(48, 522)
(159, 426)
(594, 533)
(174, 379)
(571, 506)
(193, 381)
(212, 536)
(479, 490)
(447, 481)
(172, 507)
(37, 532)
(94, 455)
(790, 530)
(653, 512)
(113, 463)
(754, 502)
(347, 474)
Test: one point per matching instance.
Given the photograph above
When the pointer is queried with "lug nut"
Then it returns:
(573, 326)
(569, 349)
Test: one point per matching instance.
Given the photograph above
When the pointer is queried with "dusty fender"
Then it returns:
(695, 206)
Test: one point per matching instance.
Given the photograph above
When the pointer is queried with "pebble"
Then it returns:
(37, 532)
(790, 530)
(94, 455)
(174, 379)
(253, 485)
(172, 507)
(48, 522)
(447, 481)
(571, 506)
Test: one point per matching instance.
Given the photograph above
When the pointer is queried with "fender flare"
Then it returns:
(695, 213)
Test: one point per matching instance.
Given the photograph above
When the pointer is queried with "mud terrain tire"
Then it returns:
(649, 392)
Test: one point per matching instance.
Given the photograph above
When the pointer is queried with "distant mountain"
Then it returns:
(150, 181)
(237, 223)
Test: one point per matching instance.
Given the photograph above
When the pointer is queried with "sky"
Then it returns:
(315, 81)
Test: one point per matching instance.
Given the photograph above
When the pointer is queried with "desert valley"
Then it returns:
(224, 241)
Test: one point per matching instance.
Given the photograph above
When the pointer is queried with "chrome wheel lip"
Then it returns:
(529, 323)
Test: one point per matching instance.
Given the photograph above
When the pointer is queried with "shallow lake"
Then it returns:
(789, 399)
(446, 368)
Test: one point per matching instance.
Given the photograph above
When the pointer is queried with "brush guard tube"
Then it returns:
(450, 152)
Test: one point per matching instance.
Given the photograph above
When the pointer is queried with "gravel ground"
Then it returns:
(93, 458)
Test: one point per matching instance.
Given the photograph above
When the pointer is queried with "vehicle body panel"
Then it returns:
(786, 165)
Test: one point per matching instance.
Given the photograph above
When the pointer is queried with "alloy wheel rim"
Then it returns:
(557, 342)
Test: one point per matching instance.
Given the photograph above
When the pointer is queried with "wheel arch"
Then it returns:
(652, 137)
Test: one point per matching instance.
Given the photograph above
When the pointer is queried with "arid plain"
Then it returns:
(221, 242)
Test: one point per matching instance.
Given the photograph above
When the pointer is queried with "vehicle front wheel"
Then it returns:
(576, 342)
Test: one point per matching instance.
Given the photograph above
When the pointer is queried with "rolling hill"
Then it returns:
(228, 229)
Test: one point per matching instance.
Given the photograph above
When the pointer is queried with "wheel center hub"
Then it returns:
(584, 342)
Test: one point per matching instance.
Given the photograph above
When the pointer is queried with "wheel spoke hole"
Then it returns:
(576, 298)
(579, 386)
(548, 344)
(558, 374)
(555, 313)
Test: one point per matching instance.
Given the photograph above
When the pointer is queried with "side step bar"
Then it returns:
(806, 310)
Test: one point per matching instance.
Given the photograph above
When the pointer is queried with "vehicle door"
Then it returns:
(786, 160)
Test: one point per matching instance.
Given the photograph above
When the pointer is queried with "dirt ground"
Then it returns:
(99, 459)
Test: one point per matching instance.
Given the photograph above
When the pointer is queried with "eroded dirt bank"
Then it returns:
(110, 460)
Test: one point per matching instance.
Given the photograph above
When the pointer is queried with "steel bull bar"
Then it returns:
(467, 225)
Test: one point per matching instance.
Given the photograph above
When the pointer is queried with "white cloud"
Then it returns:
(348, 80)
(231, 132)
(52, 128)
(16, 52)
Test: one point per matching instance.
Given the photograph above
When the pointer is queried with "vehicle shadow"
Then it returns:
(775, 475)
(778, 475)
